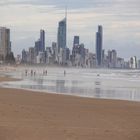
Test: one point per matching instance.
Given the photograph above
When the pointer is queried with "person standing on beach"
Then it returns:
(64, 72)
(31, 72)
(26, 72)
(34, 73)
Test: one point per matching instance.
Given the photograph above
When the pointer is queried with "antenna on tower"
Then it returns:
(66, 13)
(66, 9)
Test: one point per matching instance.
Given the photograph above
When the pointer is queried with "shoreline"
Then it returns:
(29, 115)
(10, 79)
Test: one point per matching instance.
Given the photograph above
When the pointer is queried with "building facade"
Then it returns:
(76, 40)
(99, 45)
(5, 44)
(62, 34)
(42, 41)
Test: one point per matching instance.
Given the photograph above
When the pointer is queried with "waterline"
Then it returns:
(104, 84)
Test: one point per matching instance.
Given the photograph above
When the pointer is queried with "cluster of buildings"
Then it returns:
(79, 56)
(59, 54)
(111, 60)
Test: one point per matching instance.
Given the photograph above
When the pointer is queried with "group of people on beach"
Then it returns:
(33, 72)
(45, 72)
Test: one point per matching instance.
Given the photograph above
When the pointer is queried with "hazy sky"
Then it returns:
(119, 18)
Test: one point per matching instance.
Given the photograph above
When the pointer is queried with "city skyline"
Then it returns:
(120, 19)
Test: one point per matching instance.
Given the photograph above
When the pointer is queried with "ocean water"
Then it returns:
(93, 83)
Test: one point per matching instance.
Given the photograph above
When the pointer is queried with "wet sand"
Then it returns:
(7, 79)
(27, 115)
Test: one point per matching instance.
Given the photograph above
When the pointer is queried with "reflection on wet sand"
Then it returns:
(60, 86)
(109, 85)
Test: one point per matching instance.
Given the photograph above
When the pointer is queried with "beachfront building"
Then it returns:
(24, 58)
(78, 55)
(120, 63)
(49, 56)
(42, 41)
(5, 44)
(62, 34)
(76, 40)
(37, 47)
(31, 55)
(112, 58)
(99, 46)
(92, 60)
(54, 53)
(40, 58)
(63, 51)
(133, 62)
(138, 64)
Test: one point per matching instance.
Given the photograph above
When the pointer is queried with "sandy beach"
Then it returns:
(7, 79)
(27, 115)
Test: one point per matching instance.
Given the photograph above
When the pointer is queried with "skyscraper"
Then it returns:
(114, 58)
(62, 34)
(24, 56)
(37, 47)
(5, 44)
(76, 40)
(99, 45)
(133, 62)
(42, 41)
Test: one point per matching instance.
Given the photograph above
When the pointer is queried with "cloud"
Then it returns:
(120, 20)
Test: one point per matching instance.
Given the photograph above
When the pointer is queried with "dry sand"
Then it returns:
(26, 115)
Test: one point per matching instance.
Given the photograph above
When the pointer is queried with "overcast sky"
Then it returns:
(120, 20)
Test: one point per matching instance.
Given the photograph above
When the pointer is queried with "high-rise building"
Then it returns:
(37, 47)
(82, 50)
(40, 44)
(114, 58)
(24, 56)
(31, 55)
(138, 64)
(109, 57)
(54, 49)
(62, 34)
(75, 51)
(42, 41)
(76, 40)
(99, 45)
(133, 62)
(54, 52)
(5, 44)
